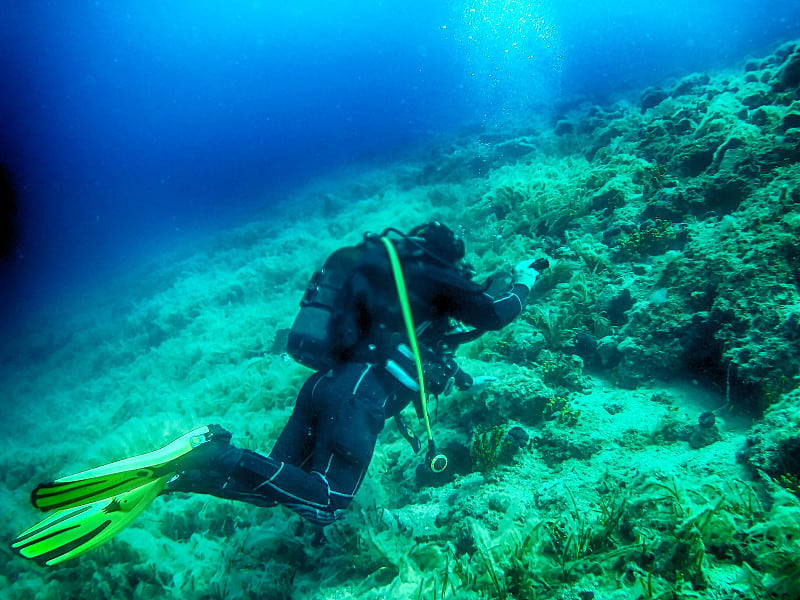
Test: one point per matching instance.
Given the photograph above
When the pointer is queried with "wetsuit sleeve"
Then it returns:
(495, 307)
(453, 371)
(463, 380)
(485, 307)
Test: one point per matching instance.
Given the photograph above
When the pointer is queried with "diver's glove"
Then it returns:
(480, 383)
(525, 274)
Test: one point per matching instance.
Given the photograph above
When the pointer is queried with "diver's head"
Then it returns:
(440, 241)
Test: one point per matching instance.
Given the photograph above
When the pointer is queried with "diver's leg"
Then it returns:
(209, 469)
(347, 412)
(351, 406)
(237, 474)
(348, 408)
(296, 441)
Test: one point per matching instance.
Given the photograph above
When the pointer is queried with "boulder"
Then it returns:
(790, 73)
(652, 97)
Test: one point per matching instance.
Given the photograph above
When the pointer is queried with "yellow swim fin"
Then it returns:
(117, 477)
(70, 532)
(93, 506)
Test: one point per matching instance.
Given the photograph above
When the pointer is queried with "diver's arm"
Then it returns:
(509, 293)
(494, 306)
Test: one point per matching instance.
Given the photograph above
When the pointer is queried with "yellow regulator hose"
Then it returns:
(437, 462)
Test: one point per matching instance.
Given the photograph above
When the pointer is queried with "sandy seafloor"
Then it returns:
(671, 221)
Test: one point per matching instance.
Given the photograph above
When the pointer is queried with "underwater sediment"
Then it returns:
(642, 439)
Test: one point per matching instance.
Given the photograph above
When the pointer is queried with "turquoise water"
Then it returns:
(130, 128)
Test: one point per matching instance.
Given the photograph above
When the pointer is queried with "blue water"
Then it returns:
(127, 126)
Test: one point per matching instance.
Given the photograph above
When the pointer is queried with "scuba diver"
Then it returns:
(379, 324)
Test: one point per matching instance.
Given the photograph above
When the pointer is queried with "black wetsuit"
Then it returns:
(322, 455)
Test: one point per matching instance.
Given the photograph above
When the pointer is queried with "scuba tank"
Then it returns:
(315, 339)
